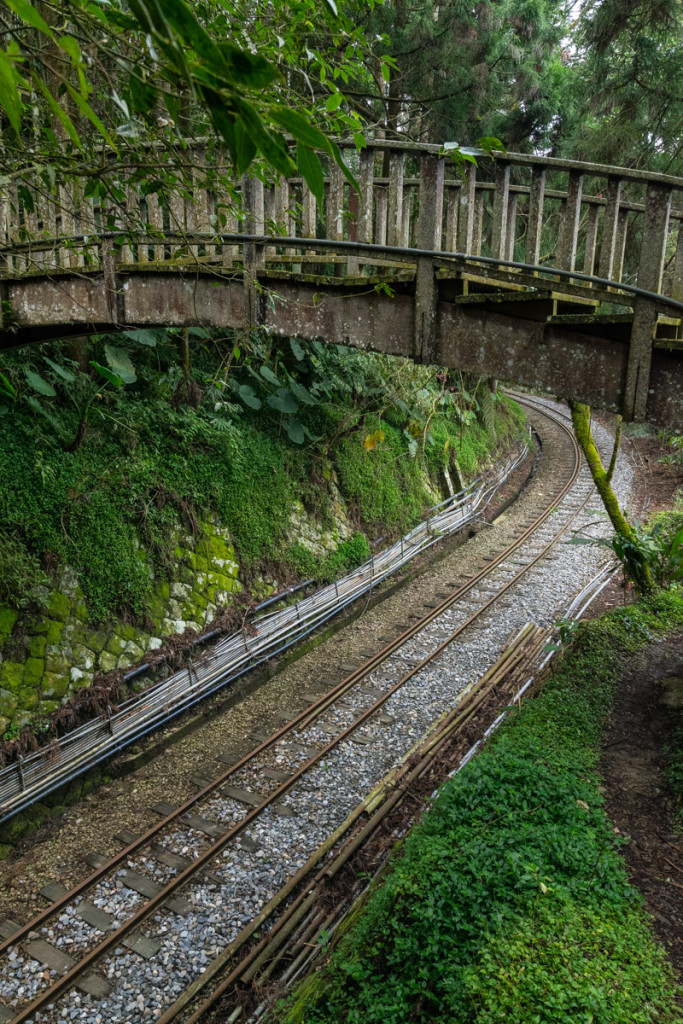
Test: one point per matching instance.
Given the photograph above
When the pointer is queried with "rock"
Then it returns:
(59, 606)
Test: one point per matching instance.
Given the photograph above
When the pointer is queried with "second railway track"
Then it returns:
(147, 923)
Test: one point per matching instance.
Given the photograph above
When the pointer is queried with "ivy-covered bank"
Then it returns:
(511, 900)
(148, 479)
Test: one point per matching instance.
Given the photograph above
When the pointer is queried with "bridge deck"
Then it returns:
(477, 274)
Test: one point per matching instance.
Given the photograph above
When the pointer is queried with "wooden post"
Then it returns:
(677, 282)
(430, 215)
(610, 224)
(395, 198)
(501, 198)
(655, 229)
(566, 250)
(252, 191)
(591, 238)
(535, 222)
(466, 212)
(511, 227)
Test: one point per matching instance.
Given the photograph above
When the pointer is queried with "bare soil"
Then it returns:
(648, 709)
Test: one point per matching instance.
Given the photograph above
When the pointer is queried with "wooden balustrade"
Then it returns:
(527, 209)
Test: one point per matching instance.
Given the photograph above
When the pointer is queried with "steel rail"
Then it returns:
(66, 981)
(234, 655)
(142, 840)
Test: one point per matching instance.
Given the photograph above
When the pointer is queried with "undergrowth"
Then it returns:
(98, 469)
(511, 901)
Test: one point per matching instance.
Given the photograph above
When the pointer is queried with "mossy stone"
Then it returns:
(8, 704)
(115, 645)
(108, 661)
(37, 647)
(11, 675)
(54, 685)
(95, 642)
(4, 724)
(12, 831)
(46, 707)
(163, 590)
(81, 611)
(59, 606)
(5, 850)
(27, 698)
(8, 616)
(128, 632)
(57, 663)
(33, 671)
(54, 632)
(38, 627)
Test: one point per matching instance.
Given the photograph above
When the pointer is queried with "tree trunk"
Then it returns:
(602, 479)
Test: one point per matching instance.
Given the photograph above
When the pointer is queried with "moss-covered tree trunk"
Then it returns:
(602, 478)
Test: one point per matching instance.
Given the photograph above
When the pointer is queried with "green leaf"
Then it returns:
(88, 112)
(249, 396)
(6, 387)
(311, 171)
(295, 431)
(268, 374)
(245, 148)
(61, 371)
(333, 102)
(297, 125)
(270, 144)
(142, 337)
(111, 378)
(120, 363)
(297, 350)
(302, 393)
(332, 6)
(70, 46)
(10, 100)
(284, 401)
(39, 385)
(59, 113)
(386, 72)
(35, 404)
(143, 95)
(24, 10)
(247, 69)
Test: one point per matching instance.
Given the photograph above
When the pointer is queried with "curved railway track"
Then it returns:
(227, 816)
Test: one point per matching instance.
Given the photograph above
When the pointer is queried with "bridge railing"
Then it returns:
(617, 223)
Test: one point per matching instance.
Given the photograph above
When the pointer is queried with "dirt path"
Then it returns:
(648, 709)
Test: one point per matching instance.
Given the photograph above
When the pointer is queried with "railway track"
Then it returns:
(165, 915)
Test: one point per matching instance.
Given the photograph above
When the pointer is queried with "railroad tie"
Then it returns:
(95, 917)
(167, 857)
(57, 960)
(284, 810)
(230, 757)
(53, 891)
(247, 844)
(96, 860)
(147, 887)
(6, 1015)
(209, 828)
(140, 944)
(243, 796)
(8, 928)
(125, 838)
(275, 774)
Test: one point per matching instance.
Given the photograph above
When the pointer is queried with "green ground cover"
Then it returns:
(510, 901)
(136, 500)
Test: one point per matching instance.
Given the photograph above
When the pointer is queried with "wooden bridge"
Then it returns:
(558, 275)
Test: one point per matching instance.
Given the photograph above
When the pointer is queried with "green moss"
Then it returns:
(11, 676)
(54, 632)
(59, 606)
(8, 616)
(37, 646)
(54, 685)
(8, 703)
